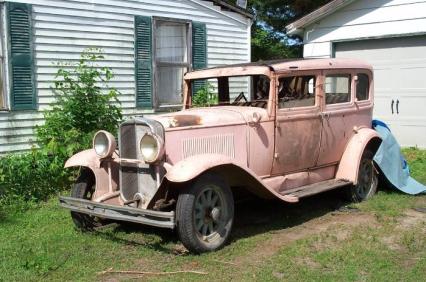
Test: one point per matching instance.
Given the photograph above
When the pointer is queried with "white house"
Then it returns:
(149, 44)
(389, 34)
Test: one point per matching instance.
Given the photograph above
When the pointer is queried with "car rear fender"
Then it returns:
(101, 169)
(236, 174)
(349, 164)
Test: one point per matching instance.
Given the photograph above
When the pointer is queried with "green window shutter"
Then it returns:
(21, 56)
(199, 46)
(143, 61)
(199, 52)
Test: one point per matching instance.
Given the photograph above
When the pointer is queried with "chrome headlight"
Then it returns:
(151, 147)
(104, 144)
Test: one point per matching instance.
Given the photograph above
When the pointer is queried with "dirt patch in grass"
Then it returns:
(338, 223)
(401, 234)
(308, 262)
(411, 219)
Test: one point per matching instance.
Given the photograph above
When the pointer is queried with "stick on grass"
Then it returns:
(110, 270)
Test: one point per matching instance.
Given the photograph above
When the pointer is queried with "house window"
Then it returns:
(337, 88)
(362, 87)
(2, 64)
(172, 61)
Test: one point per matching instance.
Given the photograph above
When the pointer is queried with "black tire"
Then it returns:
(84, 189)
(207, 201)
(367, 179)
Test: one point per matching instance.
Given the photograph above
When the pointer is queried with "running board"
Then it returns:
(313, 189)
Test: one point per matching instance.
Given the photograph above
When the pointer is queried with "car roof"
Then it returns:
(267, 67)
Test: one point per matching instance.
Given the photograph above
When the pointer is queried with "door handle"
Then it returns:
(397, 106)
(392, 103)
(325, 116)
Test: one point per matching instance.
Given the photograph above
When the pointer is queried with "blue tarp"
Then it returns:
(392, 163)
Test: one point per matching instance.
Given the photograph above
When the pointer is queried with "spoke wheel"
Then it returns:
(210, 213)
(204, 214)
(367, 179)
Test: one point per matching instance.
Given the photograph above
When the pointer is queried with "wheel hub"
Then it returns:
(215, 214)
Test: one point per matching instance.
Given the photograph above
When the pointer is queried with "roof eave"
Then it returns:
(233, 8)
(297, 27)
(294, 31)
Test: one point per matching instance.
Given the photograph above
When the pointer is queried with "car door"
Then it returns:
(261, 134)
(298, 123)
(347, 104)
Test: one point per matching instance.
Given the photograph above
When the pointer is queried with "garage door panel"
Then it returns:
(412, 106)
(414, 79)
(400, 75)
(383, 80)
(382, 107)
(409, 134)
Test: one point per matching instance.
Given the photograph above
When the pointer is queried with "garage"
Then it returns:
(391, 36)
(400, 82)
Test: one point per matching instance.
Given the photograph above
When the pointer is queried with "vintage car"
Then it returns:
(285, 129)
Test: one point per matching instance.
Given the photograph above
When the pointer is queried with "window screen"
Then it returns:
(362, 87)
(171, 56)
(337, 88)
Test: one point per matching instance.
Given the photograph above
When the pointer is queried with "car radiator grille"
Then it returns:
(135, 178)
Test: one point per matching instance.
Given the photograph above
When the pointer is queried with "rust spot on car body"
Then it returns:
(185, 120)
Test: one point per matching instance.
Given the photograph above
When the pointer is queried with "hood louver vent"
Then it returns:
(217, 144)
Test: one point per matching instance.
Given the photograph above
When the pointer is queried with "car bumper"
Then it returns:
(147, 217)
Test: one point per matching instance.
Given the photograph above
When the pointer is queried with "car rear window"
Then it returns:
(362, 87)
(337, 88)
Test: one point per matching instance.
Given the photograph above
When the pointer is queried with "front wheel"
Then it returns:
(367, 179)
(204, 214)
(84, 189)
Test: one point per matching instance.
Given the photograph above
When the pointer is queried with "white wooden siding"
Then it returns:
(364, 19)
(63, 28)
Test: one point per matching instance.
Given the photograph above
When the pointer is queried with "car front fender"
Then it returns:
(87, 158)
(106, 171)
(349, 164)
(189, 168)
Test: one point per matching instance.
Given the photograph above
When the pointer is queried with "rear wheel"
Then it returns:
(84, 189)
(205, 213)
(367, 179)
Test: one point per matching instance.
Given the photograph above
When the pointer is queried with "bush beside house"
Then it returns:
(81, 108)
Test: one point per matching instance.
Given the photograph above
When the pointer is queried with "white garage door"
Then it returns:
(400, 83)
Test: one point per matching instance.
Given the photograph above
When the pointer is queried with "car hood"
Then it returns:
(212, 116)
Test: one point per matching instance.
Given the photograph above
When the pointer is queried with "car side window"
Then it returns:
(337, 88)
(362, 87)
(296, 91)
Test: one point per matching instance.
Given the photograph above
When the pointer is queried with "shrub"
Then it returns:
(205, 96)
(30, 176)
(81, 108)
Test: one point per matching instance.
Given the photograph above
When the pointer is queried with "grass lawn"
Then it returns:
(318, 239)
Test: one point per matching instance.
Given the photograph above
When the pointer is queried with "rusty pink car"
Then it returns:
(282, 129)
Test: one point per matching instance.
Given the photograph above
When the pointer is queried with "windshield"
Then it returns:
(248, 91)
